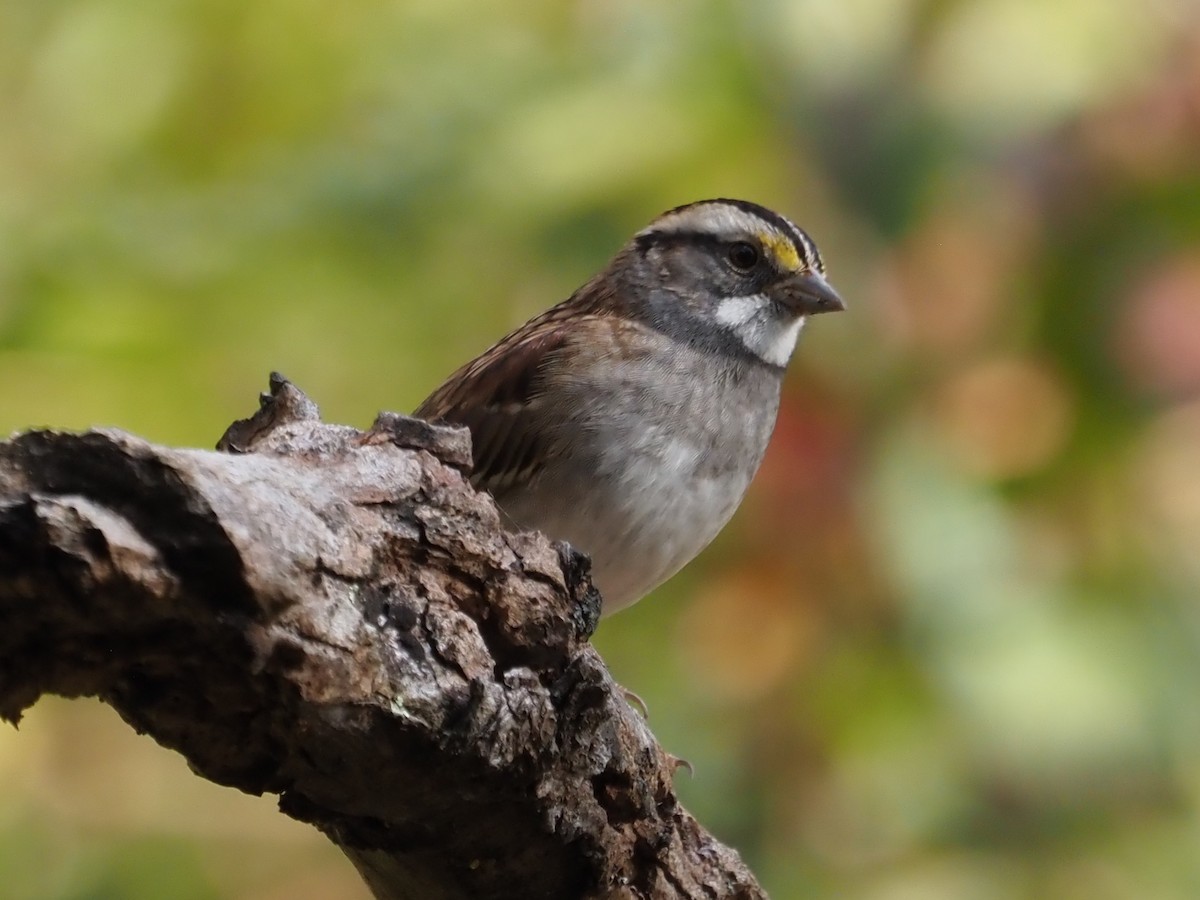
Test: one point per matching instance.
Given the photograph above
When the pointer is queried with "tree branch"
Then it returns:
(337, 617)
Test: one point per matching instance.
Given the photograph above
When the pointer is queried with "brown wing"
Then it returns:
(497, 396)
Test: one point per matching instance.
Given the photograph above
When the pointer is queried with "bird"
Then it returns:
(629, 419)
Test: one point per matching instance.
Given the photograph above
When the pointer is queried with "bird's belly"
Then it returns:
(671, 512)
(640, 516)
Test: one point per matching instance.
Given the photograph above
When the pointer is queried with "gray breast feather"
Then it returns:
(666, 465)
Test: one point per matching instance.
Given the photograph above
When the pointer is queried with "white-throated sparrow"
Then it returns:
(630, 418)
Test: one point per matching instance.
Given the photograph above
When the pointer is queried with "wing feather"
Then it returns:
(498, 397)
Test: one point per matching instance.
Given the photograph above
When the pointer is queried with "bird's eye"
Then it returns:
(743, 256)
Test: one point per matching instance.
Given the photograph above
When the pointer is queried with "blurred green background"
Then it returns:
(949, 648)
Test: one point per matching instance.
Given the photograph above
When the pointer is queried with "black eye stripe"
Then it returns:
(648, 239)
(695, 238)
(805, 248)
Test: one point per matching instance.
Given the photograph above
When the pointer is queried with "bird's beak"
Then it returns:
(810, 294)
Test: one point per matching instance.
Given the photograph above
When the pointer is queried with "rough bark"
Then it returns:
(337, 617)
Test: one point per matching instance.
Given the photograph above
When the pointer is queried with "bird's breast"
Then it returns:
(654, 461)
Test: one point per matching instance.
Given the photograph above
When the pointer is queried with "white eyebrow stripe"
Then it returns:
(717, 219)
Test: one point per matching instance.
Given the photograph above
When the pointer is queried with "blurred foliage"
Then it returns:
(950, 647)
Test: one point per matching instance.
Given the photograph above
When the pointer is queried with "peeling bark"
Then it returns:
(337, 617)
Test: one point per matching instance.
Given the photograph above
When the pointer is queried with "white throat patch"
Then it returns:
(759, 328)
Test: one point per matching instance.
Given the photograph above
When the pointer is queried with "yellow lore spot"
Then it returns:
(782, 250)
